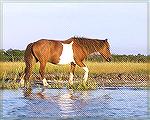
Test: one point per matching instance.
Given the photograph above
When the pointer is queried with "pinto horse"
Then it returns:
(71, 51)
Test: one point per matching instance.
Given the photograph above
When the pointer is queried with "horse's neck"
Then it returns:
(92, 48)
(93, 51)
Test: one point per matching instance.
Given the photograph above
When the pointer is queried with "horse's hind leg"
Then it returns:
(22, 80)
(28, 71)
(73, 65)
(42, 73)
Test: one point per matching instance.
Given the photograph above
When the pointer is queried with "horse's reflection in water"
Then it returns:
(70, 102)
(67, 102)
(69, 94)
(28, 93)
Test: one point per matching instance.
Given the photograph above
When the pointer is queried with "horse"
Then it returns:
(72, 51)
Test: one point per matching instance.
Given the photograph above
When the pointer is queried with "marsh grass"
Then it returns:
(123, 67)
(56, 86)
(11, 70)
(11, 85)
(90, 85)
(94, 67)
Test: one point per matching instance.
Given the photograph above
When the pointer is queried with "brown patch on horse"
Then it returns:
(47, 51)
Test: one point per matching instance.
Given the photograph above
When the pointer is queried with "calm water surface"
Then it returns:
(110, 103)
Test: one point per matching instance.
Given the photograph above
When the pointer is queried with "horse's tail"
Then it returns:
(29, 55)
(30, 60)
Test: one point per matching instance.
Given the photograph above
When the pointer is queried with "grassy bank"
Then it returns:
(94, 67)
(104, 72)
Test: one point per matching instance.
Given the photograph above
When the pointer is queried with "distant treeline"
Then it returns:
(121, 58)
(12, 55)
(18, 55)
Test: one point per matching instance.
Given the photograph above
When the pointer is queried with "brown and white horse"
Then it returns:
(72, 51)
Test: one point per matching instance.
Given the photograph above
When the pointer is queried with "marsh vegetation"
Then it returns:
(101, 74)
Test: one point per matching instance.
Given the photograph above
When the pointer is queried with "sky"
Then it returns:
(123, 24)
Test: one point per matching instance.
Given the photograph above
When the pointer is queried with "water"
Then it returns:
(110, 103)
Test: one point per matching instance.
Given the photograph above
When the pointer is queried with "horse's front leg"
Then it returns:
(73, 65)
(86, 71)
(85, 74)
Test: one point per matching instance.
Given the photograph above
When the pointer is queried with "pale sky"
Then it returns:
(124, 24)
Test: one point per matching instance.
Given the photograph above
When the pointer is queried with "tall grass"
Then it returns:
(8, 68)
(11, 70)
(121, 67)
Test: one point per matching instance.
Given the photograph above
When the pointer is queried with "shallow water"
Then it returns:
(110, 103)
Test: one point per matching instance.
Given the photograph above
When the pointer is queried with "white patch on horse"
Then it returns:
(45, 82)
(22, 82)
(86, 73)
(67, 54)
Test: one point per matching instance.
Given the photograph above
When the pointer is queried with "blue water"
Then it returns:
(110, 103)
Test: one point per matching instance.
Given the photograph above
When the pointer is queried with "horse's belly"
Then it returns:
(67, 54)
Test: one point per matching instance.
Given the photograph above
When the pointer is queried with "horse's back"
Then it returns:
(47, 50)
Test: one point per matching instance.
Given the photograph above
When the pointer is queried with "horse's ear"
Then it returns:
(106, 39)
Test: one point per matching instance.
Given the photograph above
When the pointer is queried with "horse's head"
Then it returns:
(105, 51)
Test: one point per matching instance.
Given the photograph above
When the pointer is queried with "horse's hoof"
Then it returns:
(46, 86)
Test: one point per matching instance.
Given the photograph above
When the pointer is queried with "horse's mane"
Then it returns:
(89, 44)
(87, 39)
(82, 38)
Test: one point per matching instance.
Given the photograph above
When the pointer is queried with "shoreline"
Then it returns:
(59, 80)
